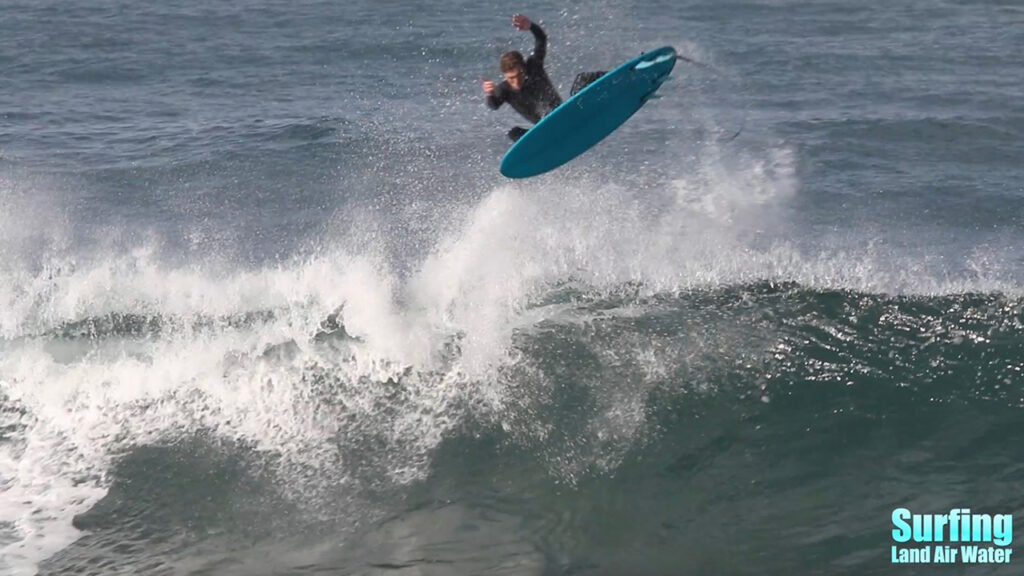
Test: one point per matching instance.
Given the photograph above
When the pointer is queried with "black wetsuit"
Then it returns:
(537, 96)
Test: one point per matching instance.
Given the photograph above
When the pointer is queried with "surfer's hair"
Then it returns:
(511, 60)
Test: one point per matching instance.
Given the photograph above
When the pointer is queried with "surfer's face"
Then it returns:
(514, 78)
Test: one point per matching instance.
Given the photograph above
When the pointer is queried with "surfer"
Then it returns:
(526, 86)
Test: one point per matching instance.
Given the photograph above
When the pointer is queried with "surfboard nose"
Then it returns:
(655, 57)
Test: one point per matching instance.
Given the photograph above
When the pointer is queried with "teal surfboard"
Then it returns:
(589, 116)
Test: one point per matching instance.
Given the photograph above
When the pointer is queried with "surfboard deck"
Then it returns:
(589, 116)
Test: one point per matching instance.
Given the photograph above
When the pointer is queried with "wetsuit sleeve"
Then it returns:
(540, 48)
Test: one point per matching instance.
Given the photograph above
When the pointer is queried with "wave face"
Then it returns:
(651, 420)
(266, 306)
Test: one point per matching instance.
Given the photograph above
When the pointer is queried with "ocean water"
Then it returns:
(267, 306)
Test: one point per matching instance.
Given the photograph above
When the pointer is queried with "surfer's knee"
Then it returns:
(583, 79)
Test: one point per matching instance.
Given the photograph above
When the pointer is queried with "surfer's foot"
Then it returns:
(516, 133)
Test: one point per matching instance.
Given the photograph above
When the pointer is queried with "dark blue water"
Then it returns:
(267, 306)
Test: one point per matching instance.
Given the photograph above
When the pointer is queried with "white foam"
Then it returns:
(246, 380)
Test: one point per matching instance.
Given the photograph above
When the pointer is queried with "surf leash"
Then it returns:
(743, 120)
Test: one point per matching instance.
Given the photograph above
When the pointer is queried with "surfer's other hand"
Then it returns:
(488, 87)
(520, 22)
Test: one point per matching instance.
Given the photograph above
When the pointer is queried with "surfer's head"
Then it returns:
(513, 68)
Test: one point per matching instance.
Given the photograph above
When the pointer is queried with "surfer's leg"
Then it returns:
(516, 133)
(583, 79)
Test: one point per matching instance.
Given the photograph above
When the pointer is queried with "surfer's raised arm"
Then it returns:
(540, 48)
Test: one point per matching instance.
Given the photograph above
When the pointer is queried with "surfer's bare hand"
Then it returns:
(488, 87)
(520, 22)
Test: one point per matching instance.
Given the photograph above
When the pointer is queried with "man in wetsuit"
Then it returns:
(526, 87)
